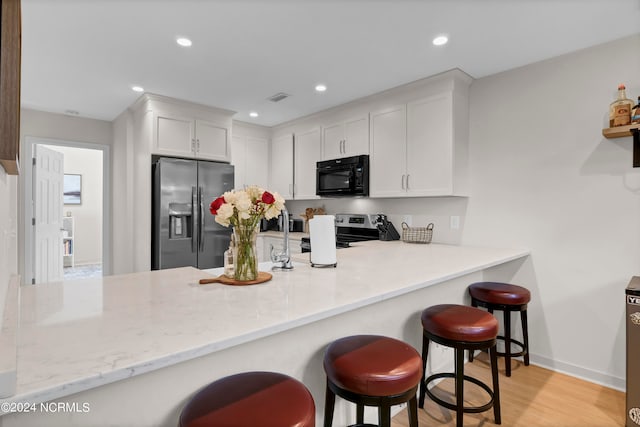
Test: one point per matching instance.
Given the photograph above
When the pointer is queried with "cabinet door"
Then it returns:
(174, 136)
(212, 141)
(332, 137)
(239, 160)
(430, 146)
(356, 136)
(307, 154)
(281, 166)
(257, 162)
(388, 152)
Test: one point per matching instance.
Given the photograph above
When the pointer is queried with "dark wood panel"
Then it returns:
(10, 47)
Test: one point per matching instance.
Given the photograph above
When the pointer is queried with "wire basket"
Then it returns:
(417, 234)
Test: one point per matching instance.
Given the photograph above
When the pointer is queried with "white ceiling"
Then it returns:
(85, 55)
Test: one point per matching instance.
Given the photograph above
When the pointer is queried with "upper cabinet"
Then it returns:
(281, 165)
(189, 130)
(420, 148)
(250, 156)
(10, 47)
(307, 154)
(346, 138)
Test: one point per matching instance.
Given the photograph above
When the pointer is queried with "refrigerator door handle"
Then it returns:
(201, 218)
(194, 220)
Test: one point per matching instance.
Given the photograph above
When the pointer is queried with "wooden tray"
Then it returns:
(262, 277)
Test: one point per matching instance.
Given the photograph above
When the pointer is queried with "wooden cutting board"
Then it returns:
(222, 279)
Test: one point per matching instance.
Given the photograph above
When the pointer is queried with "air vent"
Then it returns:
(278, 97)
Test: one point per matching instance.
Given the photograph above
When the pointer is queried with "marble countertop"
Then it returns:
(76, 335)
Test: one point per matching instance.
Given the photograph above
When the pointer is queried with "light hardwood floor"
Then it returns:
(531, 397)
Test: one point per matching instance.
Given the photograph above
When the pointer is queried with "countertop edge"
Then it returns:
(76, 386)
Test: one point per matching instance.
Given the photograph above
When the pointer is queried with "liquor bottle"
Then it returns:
(635, 113)
(620, 109)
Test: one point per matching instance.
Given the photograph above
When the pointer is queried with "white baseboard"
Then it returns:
(586, 374)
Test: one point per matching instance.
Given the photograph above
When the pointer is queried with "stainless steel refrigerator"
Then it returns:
(184, 232)
(633, 352)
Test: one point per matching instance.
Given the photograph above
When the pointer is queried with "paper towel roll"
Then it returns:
(322, 234)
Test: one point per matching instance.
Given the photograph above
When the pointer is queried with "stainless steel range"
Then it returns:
(352, 228)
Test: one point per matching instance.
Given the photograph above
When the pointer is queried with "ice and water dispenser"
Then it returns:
(633, 352)
(180, 223)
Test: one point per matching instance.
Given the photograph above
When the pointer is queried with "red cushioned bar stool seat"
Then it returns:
(462, 328)
(506, 298)
(372, 370)
(250, 399)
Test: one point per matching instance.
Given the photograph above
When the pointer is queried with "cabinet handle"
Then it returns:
(402, 182)
(408, 181)
(198, 144)
(193, 145)
(344, 146)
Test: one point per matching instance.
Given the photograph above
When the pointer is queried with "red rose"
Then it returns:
(215, 205)
(268, 198)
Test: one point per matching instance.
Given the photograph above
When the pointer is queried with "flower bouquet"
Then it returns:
(243, 209)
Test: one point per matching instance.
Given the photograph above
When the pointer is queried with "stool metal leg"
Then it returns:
(459, 388)
(425, 353)
(507, 342)
(360, 414)
(384, 415)
(496, 388)
(525, 336)
(413, 412)
(474, 303)
(329, 403)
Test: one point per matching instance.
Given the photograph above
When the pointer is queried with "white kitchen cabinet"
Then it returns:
(307, 153)
(388, 161)
(414, 151)
(346, 138)
(281, 166)
(250, 156)
(187, 137)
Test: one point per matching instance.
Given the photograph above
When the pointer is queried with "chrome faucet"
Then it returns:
(283, 259)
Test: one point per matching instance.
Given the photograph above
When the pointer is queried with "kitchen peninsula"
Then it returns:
(136, 347)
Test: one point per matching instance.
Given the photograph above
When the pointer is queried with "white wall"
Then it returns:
(88, 215)
(543, 177)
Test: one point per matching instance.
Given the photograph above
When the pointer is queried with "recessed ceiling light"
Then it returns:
(440, 40)
(183, 41)
(253, 114)
(321, 88)
(137, 88)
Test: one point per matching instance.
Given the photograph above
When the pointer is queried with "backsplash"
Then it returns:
(418, 212)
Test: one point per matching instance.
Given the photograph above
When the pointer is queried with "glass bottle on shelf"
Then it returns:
(620, 109)
(635, 113)
(229, 269)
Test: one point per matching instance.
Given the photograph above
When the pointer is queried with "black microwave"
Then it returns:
(348, 176)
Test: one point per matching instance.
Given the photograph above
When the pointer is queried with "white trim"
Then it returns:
(586, 374)
(27, 211)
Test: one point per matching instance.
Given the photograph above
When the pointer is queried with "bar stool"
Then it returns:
(372, 370)
(250, 399)
(462, 328)
(508, 298)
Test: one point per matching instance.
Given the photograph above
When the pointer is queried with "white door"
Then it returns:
(332, 141)
(48, 176)
(257, 165)
(356, 136)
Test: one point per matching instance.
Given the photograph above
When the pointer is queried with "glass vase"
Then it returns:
(245, 254)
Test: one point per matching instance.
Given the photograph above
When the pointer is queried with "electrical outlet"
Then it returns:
(454, 222)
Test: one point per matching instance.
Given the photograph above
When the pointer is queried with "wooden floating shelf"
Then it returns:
(620, 131)
(629, 130)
